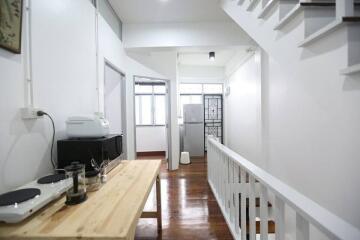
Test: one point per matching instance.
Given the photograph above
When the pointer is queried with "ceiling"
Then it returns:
(152, 11)
(200, 56)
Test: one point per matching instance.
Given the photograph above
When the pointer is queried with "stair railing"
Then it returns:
(237, 184)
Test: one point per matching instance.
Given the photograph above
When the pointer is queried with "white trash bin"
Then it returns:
(185, 158)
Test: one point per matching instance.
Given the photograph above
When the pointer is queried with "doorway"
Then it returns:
(213, 116)
(152, 116)
(115, 102)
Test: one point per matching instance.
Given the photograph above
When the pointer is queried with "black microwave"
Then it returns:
(84, 149)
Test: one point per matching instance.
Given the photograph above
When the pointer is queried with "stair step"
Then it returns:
(240, 2)
(351, 19)
(328, 29)
(317, 4)
(321, 32)
(298, 7)
(267, 8)
(288, 17)
(252, 5)
(323, 4)
(351, 70)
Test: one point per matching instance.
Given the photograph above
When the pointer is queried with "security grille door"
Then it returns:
(213, 111)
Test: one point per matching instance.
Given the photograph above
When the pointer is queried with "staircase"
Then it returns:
(295, 26)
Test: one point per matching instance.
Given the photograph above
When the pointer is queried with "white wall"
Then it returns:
(184, 34)
(25, 148)
(201, 74)
(243, 110)
(64, 84)
(151, 139)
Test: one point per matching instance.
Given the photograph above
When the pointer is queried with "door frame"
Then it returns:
(108, 63)
(168, 115)
(222, 116)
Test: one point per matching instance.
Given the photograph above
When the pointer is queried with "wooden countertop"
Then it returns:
(109, 213)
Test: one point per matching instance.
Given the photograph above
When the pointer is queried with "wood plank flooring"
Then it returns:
(189, 209)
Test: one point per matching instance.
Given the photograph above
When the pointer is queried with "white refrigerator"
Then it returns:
(194, 129)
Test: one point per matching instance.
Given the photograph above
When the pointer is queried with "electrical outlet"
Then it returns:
(30, 113)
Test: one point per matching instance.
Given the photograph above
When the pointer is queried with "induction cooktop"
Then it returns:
(19, 204)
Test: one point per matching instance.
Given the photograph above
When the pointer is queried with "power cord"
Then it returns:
(41, 113)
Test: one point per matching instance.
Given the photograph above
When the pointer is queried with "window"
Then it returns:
(144, 109)
(197, 88)
(110, 16)
(190, 88)
(143, 89)
(150, 104)
(159, 89)
(159, 111)
(212, 88)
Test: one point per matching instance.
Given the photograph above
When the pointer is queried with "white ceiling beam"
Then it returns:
(194, 34)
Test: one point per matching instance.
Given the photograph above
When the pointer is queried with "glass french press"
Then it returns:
(77, 193)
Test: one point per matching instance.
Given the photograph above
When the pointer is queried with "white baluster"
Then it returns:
(216, 163)
(220, 182)
(302, 228)
(221, 157)
(231, 184)
(263, 213)
(243, 203)
(236, 192)
(213, 164)
(223, 181)
(252, 208)
(227, 180)
(209, 162)
(228, 205)
(279, 219)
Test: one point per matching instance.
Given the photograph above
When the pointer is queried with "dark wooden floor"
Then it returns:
(189, 209)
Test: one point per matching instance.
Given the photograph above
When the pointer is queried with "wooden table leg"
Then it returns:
(158, 203)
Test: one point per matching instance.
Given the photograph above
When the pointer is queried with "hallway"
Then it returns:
(189, 209)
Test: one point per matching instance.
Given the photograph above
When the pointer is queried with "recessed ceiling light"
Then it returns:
(212, 56)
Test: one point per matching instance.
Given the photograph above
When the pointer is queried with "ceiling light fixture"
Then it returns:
(212, 56)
